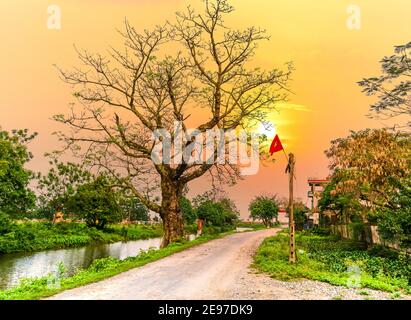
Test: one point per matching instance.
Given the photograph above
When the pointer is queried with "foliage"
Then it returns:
(59, 184)
(252, 225)
(327, 258)
(213, 71)
(131, 208)
(394, 222)
(5, 223)
(100, 269)
(33, 236)
(15, 196)
(216, 214)
(393, 86)
(187, 210)
(96, 203)
(344, 204)
(264, 208)
(216, 209)
(364, 165)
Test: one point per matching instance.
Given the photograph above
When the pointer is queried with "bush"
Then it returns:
(327, 258)
(394, 222)
(5, 223)
(216, 214)
(33, 236)
(187, 210)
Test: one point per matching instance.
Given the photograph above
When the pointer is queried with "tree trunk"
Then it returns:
(173, 225)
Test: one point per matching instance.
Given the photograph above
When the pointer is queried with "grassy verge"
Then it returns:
(100, 269)
(338, 262)
(34, 236)
(252, 225)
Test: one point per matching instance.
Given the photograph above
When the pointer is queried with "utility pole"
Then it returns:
(290, 170)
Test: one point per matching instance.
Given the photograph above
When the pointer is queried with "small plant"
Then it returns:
(396, 295)
(364, 293)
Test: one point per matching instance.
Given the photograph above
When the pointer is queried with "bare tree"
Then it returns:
(129, 95)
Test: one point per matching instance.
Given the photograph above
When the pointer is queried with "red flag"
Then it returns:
(276, 145)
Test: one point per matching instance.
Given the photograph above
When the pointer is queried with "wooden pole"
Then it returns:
(290, 169)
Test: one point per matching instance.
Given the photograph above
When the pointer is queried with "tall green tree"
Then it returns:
(393, 86)
(15, 194)
(264, 208)
(131, 208)
(364, 165)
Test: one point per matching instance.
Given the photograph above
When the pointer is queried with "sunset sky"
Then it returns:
(329, 59)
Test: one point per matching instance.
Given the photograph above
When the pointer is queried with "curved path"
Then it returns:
(208, 271)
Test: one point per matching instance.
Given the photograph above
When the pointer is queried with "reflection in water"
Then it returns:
(14, 267)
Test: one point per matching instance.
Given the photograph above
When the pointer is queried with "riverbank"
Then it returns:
(335, 261)
(100, 269)
(35, 236)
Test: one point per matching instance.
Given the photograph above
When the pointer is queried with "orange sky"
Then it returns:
(329, 59)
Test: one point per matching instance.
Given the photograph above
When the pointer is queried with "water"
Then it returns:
(16, 266)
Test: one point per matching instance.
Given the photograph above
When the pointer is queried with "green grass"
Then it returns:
(252, 225)
(31, 289)
(34, 236)
(329, 259)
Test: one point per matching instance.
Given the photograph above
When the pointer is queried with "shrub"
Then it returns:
(96, 203)
(5, 223)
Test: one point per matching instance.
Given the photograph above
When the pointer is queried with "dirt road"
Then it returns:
(208, 271)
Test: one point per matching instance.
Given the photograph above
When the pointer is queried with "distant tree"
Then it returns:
(187, 210)
(363, 166)
(344, 204)
(132, 209)
(300, 214)
(15, 195)
(59, 184)
(96, 203)
(264, 208)
(394, 220)
(393, 87)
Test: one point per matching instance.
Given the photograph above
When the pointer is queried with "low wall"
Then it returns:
(367, 233)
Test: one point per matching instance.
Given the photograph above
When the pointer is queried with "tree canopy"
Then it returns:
(264, 208)
(96, 203)
(393, 87)
(15, 194)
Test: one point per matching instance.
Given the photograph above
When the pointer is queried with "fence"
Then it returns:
(360, 232)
